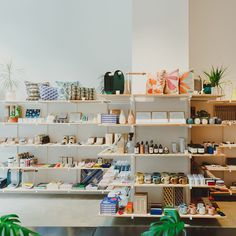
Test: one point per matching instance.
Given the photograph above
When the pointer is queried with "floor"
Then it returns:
(131, 231)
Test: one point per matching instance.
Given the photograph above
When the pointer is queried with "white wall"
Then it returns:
(160, 35)
(213, 35)
(66, 40)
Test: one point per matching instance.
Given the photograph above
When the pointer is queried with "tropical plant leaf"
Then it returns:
(169, 225)
(9, 226)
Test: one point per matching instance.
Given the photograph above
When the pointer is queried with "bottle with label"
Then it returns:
(155, 149)
(151, 147)
(146, 148)
(161, 149)
(141, 150)
(136, 148)
(130, 144)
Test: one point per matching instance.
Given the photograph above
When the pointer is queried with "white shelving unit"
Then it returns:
(161, 133)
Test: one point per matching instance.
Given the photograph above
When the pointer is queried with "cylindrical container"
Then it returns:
(174, 147)
(22, 162)
(10, 161)
(181, 145)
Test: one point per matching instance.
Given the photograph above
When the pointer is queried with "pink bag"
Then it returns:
(172, 82)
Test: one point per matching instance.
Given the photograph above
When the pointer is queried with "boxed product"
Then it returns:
(140, 203)
(109, 205)
(143, 117)
(159, 117)
(109, 119)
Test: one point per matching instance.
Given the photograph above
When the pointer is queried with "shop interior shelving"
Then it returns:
(137, 103)
(226, 133)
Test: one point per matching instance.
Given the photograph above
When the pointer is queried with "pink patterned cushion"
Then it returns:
(172, 82)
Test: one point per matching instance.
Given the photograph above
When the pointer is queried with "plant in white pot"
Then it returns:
(9, 80)
(215, 78)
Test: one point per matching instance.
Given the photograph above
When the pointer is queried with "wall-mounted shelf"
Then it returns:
(47, 123)
(206, 97)
(132, 216)
(51, 168)
(47, 191)
(228, 168)
(53, 101)
(52, 145)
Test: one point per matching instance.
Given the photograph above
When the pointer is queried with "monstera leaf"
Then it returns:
(169, 225)
(9, 226)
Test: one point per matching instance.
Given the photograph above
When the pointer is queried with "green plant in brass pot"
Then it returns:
(10, 226)
(215, 78)
(169, 225)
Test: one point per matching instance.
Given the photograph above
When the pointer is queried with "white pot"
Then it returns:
(10, 96)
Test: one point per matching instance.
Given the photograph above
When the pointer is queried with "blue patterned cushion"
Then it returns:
(48, 93)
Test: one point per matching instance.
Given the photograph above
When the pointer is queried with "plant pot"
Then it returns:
(216, 90)
(10, 96)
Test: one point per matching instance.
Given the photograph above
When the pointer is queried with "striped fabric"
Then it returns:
(48, 93)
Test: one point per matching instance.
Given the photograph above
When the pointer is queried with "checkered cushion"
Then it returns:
(48, 93)
(32, 90)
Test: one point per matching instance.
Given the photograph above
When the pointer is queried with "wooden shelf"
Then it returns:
(205, 97)
(222, 101)
(208, 155)
(228, 168)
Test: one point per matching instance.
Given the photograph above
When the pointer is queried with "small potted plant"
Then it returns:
(9, 80)
(169, 224)
(215, 76)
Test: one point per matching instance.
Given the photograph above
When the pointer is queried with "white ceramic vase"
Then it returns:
(10, 95)
(122, 118)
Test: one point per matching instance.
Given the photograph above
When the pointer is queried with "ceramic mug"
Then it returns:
(165, 179)
(189, 121)
(197, 121)
(174, 180)
(212, 121)
(201, 210)
(140, 178)
(204, 121)
(199, 205)
(183, 180)
(183, 209)
(156, 178)
(192, 210)
(211, 210)
(147, 178)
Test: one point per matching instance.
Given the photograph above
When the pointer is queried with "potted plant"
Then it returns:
(215, 76)
(169, 225)
(8, 80)
(9, 225)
